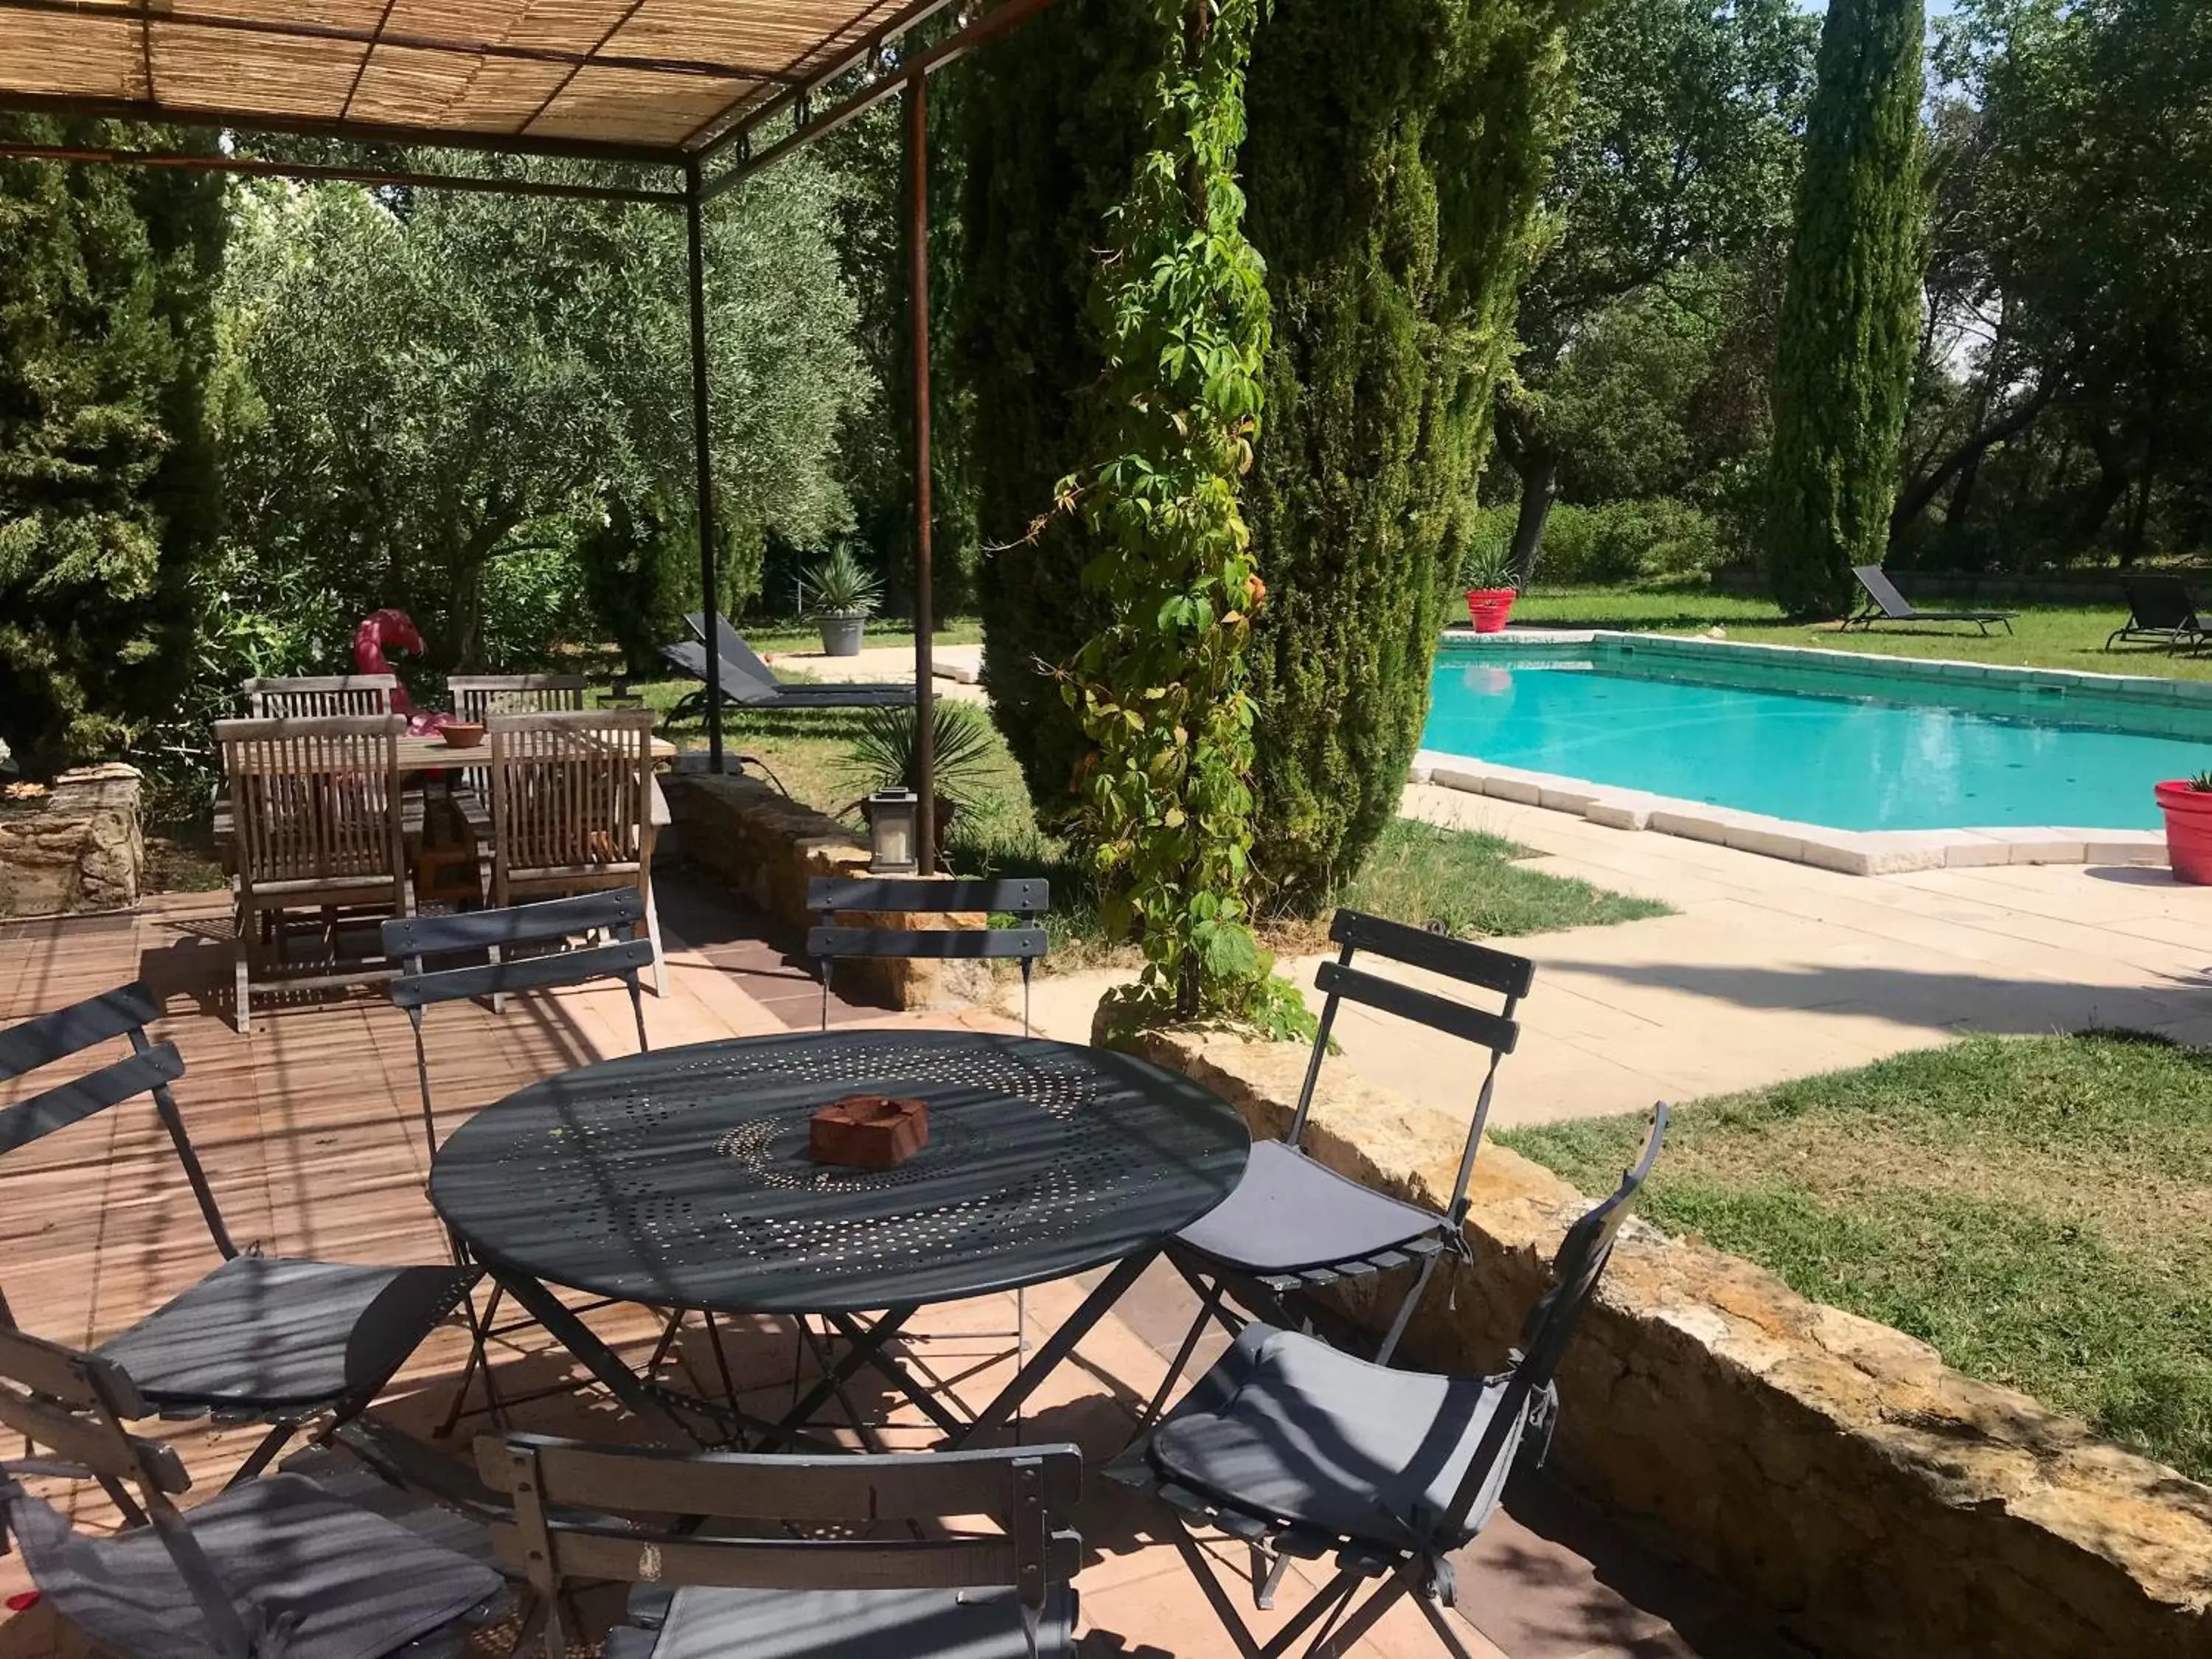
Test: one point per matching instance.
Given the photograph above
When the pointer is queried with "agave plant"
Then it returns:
(843, 585)
(882, 756)
(1487, 568)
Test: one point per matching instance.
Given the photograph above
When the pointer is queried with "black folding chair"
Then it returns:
(1026, 899)
(1306, 1453)
(278, 1565)
(487, 938)
(277, 1340)
(815, 1557)
(1293, 1225)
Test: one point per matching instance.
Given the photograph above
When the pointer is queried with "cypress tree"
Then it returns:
(1393, 160)
(107, 474)
(1850, 310)
(1395, 154)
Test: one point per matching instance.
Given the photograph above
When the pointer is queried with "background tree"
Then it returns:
(1851, 314)
(107, 487)
(1679, 154)
(2071, 316)
(442, 386)
(1395, 154)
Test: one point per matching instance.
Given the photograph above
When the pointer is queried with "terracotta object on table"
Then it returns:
(869, 1132)
(461, 734)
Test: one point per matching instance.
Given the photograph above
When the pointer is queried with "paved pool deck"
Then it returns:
(1770, 970)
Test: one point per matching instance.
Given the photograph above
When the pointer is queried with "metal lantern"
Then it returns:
(892, 815)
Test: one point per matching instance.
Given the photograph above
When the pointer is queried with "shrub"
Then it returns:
(1617, 542)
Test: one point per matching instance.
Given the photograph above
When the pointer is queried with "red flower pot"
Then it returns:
(2188, 831)
(1487, 608)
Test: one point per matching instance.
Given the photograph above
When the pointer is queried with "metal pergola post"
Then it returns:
(925, 690)
(709, 587)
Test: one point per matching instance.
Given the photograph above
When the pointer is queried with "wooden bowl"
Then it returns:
(462, 735)
(869, 1132)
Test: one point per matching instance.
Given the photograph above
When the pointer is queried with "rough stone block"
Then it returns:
(77, 845)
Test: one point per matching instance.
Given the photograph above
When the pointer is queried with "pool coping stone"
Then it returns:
(1848, 851)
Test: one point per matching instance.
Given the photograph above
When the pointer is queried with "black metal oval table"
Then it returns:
(682, 1179)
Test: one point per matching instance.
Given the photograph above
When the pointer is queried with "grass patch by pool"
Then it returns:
(2046, 636)
(2038, 1209)
(1473, 884)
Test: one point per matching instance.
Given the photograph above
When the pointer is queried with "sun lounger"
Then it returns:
(1885, 603)
(2161, 609)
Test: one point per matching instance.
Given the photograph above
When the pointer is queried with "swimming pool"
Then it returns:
(1855, 745)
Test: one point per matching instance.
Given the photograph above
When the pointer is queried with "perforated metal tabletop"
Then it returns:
(681, 1178)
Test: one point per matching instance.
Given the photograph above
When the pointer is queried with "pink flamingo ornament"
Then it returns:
(393, 630)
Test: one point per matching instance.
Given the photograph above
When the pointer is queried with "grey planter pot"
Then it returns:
(841, 632)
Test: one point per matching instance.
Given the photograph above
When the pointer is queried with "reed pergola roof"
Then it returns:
(653, 81)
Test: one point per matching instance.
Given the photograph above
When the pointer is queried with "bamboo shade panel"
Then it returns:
(643, 77)
(571, 797)
(313, 800)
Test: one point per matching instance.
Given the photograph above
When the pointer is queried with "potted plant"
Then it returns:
(883, 755)
(2187, 804)
(1488, 573)
(846, 593)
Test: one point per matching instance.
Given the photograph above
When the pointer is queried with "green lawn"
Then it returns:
(1474, 884)
(2046, 636)
(2035, 1207)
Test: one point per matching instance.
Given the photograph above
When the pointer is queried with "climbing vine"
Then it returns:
(1180, 304)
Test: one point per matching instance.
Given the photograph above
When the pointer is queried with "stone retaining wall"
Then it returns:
(767, 846)
(1887, 1506)
(78, 846)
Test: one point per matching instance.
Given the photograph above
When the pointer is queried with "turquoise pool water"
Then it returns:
(1857, 753)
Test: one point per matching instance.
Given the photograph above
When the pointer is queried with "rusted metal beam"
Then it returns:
(867, 47)
(186, 162)
(1007, 18)
(925, 622)
(250, 123)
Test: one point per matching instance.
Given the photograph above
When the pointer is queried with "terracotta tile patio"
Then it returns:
(310, 1134)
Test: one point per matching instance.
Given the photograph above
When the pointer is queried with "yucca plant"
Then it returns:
(1487, 568)
(844, 586)
(882, 756)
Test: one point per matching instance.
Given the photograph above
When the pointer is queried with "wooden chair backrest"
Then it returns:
(475, 695)
(571, 790)
(315, 800)
(318, 695)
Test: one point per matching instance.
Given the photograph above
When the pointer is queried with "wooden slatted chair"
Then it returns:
(1294, 1226)
(277, 1340)
(318, 823)
(315, 696)
(857, 1556)
(572, 808)
(273, 1566)
(475, 695)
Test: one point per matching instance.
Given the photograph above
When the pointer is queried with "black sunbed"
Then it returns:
(742, 688)
(1885, 603)
(2159, 608)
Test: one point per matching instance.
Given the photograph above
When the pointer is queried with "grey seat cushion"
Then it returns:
(1289, 1213)
(343, 1583)
(267, 1333)
(928, 1624)
(1285, 1429)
